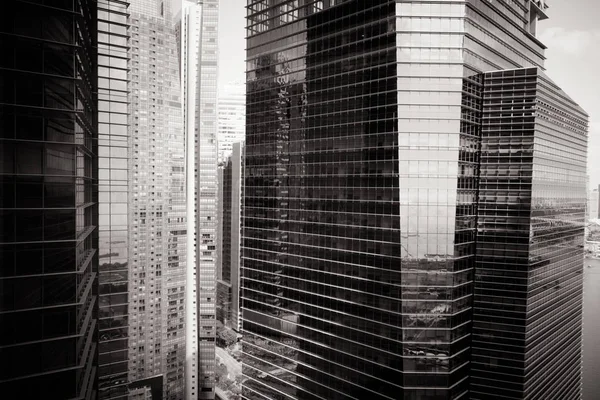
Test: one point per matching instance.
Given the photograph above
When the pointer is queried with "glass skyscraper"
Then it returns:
(230, 199)
(527, 308)
(367, 149)
(113, 199)
(48, 199)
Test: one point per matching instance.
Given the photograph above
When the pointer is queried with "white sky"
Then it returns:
(572, 35)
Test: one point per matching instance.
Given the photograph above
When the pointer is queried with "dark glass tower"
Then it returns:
(113, 198)
(48, 199)
(365, 123)
(527, 310)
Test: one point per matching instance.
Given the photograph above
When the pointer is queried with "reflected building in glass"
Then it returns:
(369, 129)
(528, 291)
(48, 199)
(113, 199)
(157, 202)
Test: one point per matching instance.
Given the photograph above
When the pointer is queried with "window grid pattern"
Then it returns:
(48, 199)
(529, 283)
(113, 228)
(157, 212)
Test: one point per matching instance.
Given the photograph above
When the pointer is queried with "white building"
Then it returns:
(592, 204)
(198, 35)
(157, 203)
(231, 123)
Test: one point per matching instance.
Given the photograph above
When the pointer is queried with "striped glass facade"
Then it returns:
(531, 213)
(113, 198)
(48, 200)
(364, 136)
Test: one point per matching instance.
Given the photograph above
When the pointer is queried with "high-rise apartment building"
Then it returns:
(157, 201)
(48, 200)
(391, 183)
(113, 199)
(228, 279)
(231, 119)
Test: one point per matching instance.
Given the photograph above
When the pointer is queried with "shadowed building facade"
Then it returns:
(365, 123)
(113, 199)
(48, 199)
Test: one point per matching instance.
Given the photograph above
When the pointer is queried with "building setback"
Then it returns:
(528, 292)
(48, 200)
(369, 129)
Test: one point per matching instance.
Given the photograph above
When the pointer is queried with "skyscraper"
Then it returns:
(113, 199)
(228, 280)
(48, 199)
(368, 124)
(157, 205)
(197, 35)
(231, 119)
(206, 186)
(527, 308)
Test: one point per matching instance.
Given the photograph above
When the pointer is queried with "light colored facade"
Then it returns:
(206, 187)
(592, 204)
(231, 118)
(157, 213)
(197, 34)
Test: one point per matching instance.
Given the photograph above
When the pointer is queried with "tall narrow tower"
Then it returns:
(206, 188)
(197, 27)
(157, 205)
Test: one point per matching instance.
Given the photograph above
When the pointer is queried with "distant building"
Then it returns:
(231, 122)
(593, 201)
(228, 283)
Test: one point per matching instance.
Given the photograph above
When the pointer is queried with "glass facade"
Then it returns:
(206, 201)
(360, 225)
(157, 204)
(230, 198)
(527, 317)
(113, 198)
(321, 222)
(48, 199)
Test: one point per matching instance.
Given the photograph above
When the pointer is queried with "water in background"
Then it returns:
(591, 330)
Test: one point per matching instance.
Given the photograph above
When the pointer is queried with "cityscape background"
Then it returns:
(232, 233)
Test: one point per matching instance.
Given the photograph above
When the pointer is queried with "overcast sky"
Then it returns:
(572, 35)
